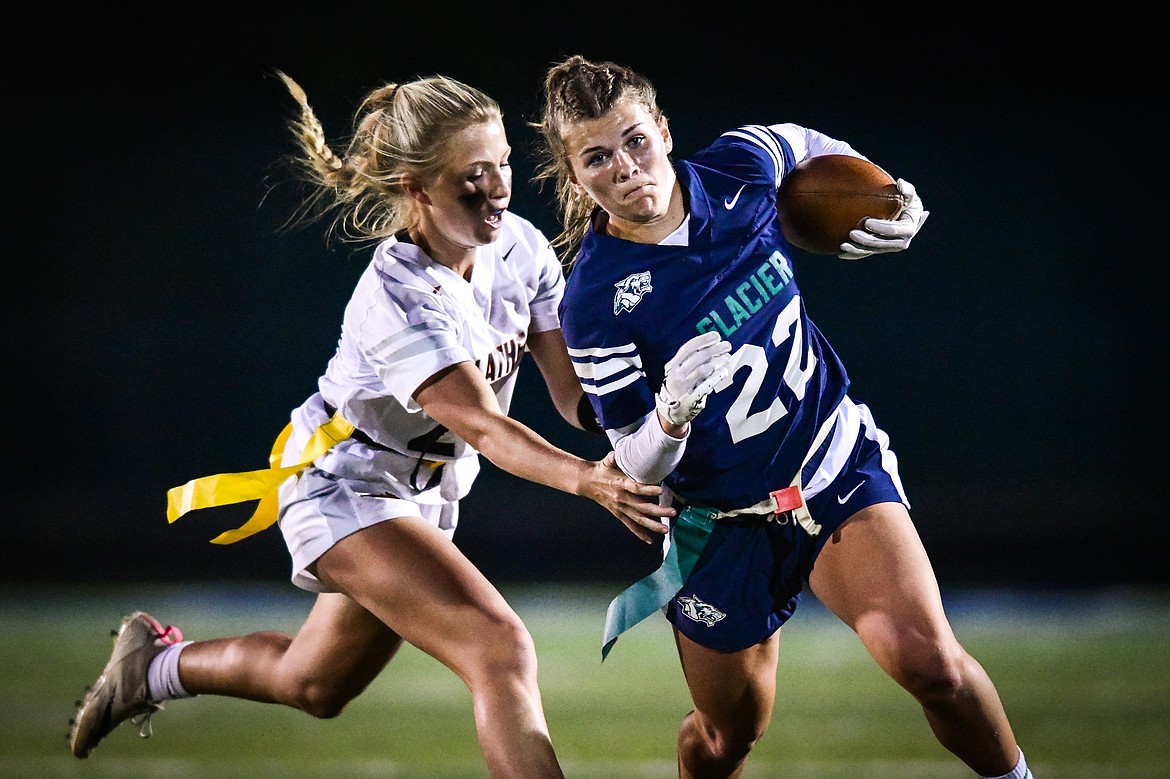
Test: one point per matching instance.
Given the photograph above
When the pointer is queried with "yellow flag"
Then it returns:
(223, 489)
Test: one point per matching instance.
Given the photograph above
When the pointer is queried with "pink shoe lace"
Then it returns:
(169, 635)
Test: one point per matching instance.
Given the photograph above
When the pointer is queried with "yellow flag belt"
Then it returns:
(223, 489)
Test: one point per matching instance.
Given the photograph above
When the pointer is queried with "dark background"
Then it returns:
(163, 326)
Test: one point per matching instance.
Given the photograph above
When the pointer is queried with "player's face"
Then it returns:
(464, 207)
(622, 161)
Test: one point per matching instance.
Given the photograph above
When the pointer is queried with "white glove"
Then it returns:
(887, 235)
(691, 374)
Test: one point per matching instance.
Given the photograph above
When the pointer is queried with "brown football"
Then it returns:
(823, 198)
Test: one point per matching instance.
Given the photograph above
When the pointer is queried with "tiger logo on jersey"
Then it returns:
(697, 610)
(630, 291)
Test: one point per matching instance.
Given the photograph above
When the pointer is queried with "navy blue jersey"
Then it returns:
(628, 307)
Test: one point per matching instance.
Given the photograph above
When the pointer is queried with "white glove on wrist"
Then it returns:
(691, 375)
(887, 235)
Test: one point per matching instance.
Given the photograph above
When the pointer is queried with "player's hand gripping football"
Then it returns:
(691, 374)
(888, 235)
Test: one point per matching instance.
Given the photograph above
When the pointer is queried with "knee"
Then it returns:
(934, 673)
(731, 747)
(730, 743)
(286, 681)
(320, 700)
(503, 649)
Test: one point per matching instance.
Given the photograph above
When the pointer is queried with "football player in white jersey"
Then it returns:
(458, 290)
(688, 331)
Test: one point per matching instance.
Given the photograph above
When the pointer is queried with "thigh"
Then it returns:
(745, 585)
(875, 575)
(318, 509)
(731, 690)
(410, 576)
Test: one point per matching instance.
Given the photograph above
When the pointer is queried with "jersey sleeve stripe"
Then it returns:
(605, 370)
(628, 350)
(619, 382)
(408, 342)
(599, 370)
(760, 136)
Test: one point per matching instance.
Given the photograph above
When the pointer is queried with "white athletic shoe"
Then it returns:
(120, 693)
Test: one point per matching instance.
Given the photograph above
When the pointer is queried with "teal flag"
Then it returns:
(647, 595)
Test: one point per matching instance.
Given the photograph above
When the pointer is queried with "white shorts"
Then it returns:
(318, 509)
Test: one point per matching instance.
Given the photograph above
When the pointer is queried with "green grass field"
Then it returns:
(1084, 678)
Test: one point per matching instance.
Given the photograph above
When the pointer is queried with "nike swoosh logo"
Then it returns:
(730, 204)
(843, 499)
(510, 248)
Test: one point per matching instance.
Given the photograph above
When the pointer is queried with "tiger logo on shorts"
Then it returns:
(698, 611)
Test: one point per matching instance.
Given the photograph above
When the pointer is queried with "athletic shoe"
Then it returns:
(120, 693)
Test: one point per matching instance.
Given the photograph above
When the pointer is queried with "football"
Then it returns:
(823, 198)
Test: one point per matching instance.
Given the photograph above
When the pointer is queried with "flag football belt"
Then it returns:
(688, 537)
(223, 489)
(780, 506)
(427, 443)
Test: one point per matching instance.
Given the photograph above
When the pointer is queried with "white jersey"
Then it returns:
(408, 318)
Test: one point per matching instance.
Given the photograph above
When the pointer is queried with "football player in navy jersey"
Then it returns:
(691, 338)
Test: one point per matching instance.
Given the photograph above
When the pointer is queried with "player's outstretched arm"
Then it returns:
(460, 399)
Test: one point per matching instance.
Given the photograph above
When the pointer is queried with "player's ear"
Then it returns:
(416, 193)
(574, 184)
(667, 138)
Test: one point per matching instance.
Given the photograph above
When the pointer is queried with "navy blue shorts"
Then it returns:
(748, 579)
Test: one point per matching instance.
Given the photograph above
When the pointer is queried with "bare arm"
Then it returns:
(462, 401)
(552, 358)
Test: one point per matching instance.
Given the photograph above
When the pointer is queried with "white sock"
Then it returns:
(162, 678)
(1019, 772)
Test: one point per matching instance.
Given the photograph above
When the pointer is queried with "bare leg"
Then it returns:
(733, 695)
(874, 574)
(333, 657)
(413, 579)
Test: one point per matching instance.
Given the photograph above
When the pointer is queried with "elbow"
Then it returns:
(479, 433)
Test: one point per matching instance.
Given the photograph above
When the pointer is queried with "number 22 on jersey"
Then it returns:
(744, 424)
